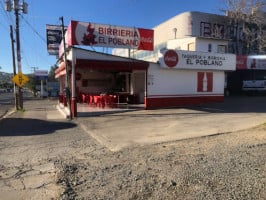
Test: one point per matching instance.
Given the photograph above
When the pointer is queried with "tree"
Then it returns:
(51, 75)
(247, 26)
(31, 84)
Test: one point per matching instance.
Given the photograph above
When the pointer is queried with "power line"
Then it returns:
(34, 30)
(29, 44)
(7, 15)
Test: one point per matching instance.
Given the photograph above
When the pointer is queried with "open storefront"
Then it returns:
(102, 80)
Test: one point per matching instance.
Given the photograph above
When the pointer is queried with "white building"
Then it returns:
(203, 32)
(192, 31)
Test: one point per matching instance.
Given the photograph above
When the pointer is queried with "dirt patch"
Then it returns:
(227, 166)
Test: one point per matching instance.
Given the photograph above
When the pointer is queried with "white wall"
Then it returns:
(180, 44)
(207, 28)
(189, 24)
(202, 44)
(164, 31)
(138, 84)
(179, 82)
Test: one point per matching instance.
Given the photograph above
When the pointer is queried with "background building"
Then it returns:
(204, 32)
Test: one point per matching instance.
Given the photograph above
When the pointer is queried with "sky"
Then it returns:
(132, 13)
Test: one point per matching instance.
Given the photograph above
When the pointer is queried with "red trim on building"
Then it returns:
(112, 65)
(74, 107)
(170, 102)
(71, 33)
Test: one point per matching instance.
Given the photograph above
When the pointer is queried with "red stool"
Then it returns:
(110, 100)
(97, 100)
(91, 100)
(84, 98)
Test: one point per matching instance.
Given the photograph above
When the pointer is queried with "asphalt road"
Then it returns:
(6, 103)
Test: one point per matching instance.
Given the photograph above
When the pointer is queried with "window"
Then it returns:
(221, 49)
(209, 47)
(191, 46)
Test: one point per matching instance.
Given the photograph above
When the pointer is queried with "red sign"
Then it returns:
(205, 82)
(241, 62)
(170, 58)
(82, 33)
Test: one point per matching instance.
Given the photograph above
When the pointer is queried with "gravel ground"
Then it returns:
(220, 167)
(226, 166)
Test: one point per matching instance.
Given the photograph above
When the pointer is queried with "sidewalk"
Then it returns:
(141, 127)
(121, 130)
(31, 142)
(35, 108)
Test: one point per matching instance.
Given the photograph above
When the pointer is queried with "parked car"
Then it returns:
(3, 90)
(43, 95)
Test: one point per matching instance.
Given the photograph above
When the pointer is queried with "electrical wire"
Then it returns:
(9, 19)
(33, 29)
(7, 15)
(31, 47)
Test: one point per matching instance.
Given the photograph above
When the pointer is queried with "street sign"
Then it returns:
(20, 79)
(41, 74)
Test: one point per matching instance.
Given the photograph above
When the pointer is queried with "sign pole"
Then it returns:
(41, 88)
(67, 89)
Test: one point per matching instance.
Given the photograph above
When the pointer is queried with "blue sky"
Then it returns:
(132, 13)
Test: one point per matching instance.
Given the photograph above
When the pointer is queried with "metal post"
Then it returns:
(41, 88)
(67, 89)
(14, 66)
(73, 86)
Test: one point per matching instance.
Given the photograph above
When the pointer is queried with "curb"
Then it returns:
(6, 114)
(64, 111)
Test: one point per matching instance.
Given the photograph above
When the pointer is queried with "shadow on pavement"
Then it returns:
(27, 127)
(232, 104)
(236, 104)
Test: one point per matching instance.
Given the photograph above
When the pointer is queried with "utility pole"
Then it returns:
(34, 69)
(14, 66)
(24, 8)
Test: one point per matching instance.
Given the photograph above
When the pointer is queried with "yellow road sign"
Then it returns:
(20, 79)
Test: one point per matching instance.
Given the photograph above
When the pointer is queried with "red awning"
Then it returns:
(112, 65)
(61, 70)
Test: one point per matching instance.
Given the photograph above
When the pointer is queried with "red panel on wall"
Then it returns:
(170, 102)
(205, 82)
